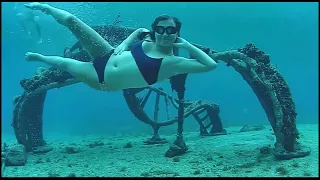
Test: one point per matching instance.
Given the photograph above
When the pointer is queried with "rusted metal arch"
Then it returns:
(253, 64)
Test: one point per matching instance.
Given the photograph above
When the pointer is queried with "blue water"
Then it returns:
(286, 31)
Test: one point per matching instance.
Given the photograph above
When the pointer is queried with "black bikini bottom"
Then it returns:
(100, 64)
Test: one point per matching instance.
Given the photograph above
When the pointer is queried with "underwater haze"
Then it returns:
(288, 32)
(91, 133)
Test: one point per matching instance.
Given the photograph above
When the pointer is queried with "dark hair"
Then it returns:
(163, 18)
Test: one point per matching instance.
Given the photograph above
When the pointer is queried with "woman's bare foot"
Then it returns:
(38, 6)
(30, 56)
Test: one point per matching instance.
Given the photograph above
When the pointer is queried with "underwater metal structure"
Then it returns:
(253, 64)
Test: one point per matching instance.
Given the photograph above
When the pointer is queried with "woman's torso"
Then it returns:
(122, 71)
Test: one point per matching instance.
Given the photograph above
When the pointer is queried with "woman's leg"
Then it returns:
(83, 71)
(91, 41)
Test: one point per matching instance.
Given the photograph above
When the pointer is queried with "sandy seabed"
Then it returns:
(234, 155)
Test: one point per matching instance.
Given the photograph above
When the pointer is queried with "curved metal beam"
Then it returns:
(253, 64)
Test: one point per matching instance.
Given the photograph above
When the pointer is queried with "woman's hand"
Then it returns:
(122, 47)
(181, 43)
